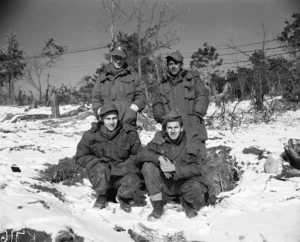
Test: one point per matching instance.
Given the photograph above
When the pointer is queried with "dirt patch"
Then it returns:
(220, 170)
(53, 191)
(256, 151)
(24, 147)
(6, 131)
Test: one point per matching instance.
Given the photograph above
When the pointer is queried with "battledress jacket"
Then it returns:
(186, 94)
(126, 87)
(119, 151)
(186, 158)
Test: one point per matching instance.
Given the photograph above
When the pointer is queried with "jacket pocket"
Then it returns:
(97, 150)
(189, 92)
(165, 97)
(123, 151)
(128, 87)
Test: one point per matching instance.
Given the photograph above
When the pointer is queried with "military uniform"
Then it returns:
(188, 168)
(185, 93)
(125, 87)
(187, 182)
(109, 157)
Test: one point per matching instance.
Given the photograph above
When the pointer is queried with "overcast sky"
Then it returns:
(77, 23)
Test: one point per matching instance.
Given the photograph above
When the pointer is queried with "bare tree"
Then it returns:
(113, 11)
(259, 77)
(153, 28)
(39, 67)
(153, 24)
(34, 73)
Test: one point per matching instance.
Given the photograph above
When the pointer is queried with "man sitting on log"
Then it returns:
(172, 169)
(107, 151)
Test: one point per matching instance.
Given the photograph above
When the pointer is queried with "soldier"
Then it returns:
(108, 151)
(119, 84)
(172, 169)
(182, 90)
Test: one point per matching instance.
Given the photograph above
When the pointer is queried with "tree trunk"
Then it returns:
(40, 94)
(139, 65)
(156, 66)
(221, 96)
(241, 85)
(10, 90)
(20, 103)
(47, 97)
(54, 106)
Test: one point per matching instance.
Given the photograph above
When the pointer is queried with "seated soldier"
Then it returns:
(107, 151)
(172, 169)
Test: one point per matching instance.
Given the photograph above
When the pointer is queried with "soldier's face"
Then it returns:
(110, 121)
(174, 129)
(174, 67)
(118, 61)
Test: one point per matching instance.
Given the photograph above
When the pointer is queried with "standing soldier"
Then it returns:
(107, 151)
(182, 90)
(121, 85)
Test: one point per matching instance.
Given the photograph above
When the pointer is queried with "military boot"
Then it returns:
(125, 204)
(158, 210)
(189, 209)
(100, 202)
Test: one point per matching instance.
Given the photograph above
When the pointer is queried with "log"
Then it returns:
(74, 112)
(81, 113)
(29, 117)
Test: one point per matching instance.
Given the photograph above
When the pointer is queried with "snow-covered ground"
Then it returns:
(260, 208)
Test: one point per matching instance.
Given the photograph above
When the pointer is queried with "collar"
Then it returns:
(107, 134)
(167, 77)
(111, 70)
(176, 142)
(161, 137)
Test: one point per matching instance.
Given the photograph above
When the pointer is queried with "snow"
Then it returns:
(259, 208)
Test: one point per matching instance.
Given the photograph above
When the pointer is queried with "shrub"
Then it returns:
(66, 171)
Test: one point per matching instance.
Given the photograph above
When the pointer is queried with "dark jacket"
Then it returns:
(125, 87)
(119, 151)
(186, 93)
(187, 160)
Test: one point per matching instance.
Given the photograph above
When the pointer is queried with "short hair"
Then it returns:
(171, 119)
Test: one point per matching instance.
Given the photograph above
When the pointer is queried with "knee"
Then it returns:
(193, 189)
(97, 169)
(148, 168)
(132, 180)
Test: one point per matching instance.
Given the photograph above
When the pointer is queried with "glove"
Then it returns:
(134, 107)
(98, 114)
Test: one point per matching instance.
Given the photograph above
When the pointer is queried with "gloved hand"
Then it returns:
(134, 107)
(98, 113)
(168, 175)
